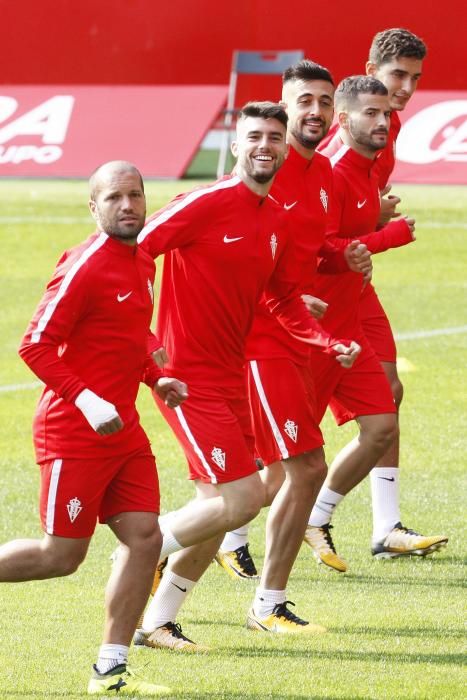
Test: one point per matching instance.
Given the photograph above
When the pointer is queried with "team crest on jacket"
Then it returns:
(150, 290)
(291, 428)
(273, 243)
(323, 195)
(74, 508)
(218, 457)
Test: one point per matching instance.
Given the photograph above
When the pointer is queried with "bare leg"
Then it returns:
(27, 560)
(273, 477)
(130, 582)
(355, 460)
(235, 503)
(391, 457)
(288, 515)
(190, 563)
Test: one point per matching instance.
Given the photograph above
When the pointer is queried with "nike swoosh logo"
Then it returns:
(290, 206)
(124, 296)
(361, 204)
(232, 240)
(183, 590)
(387, 478)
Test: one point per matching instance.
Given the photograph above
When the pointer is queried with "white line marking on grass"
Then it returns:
(67, 220)
(413, 335)
(438, 224)
(19, 387)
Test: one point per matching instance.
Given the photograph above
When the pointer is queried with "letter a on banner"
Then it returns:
(49, 120)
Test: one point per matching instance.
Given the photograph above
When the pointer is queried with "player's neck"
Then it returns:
(259, 188)
(302, 150)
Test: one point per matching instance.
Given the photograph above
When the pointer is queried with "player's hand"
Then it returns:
(359, 259)
(171, 391)
(388, 206)
(110, 427)
(411, 224)
(101, 415)
(347, 353)
(160, 357)
(316, 307)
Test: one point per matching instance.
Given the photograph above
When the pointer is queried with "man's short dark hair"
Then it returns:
(264, 110)
(306, 70)
(350, 88)
(391, 44)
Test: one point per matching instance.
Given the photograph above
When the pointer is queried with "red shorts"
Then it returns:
(376, 326)
(283, 408)
(215, 433)
(362, 390)
(75, 493)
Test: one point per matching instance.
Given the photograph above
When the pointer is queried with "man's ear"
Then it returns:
(234, 148)
(371, 68)
(343, 120)
(93, 209)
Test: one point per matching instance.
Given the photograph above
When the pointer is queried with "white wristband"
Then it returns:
(96, 410)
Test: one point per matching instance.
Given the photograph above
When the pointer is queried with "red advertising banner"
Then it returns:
(432, 144)
(67, 131)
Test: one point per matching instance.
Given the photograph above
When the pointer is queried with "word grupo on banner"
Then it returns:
(68, 131)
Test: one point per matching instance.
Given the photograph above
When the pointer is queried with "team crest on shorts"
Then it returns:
(273, 243)
(323, 195)
(218, 457)
(150, 290)
(291, 428)
(74, 508)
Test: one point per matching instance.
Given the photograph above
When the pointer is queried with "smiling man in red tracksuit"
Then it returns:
(88, 343)
(227, 244)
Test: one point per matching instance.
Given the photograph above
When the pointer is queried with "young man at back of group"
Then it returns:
(395, 59)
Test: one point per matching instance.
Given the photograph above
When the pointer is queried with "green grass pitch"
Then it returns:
(395, 627)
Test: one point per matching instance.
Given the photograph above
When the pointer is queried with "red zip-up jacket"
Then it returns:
(90, 331)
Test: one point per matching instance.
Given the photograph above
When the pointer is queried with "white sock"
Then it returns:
(167, 601)
(324, 507)
(169, 541)
(111, 655)
(265, 601)
(385, 500)
(235, 539)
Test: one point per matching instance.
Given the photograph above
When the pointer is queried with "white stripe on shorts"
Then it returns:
(195, 445)
(52, 497)
(267, 409)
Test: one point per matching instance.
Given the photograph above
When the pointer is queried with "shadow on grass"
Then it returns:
(379, 580)
(365, 656)
(402, 632)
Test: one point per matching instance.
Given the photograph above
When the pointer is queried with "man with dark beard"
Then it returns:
(363, 394)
